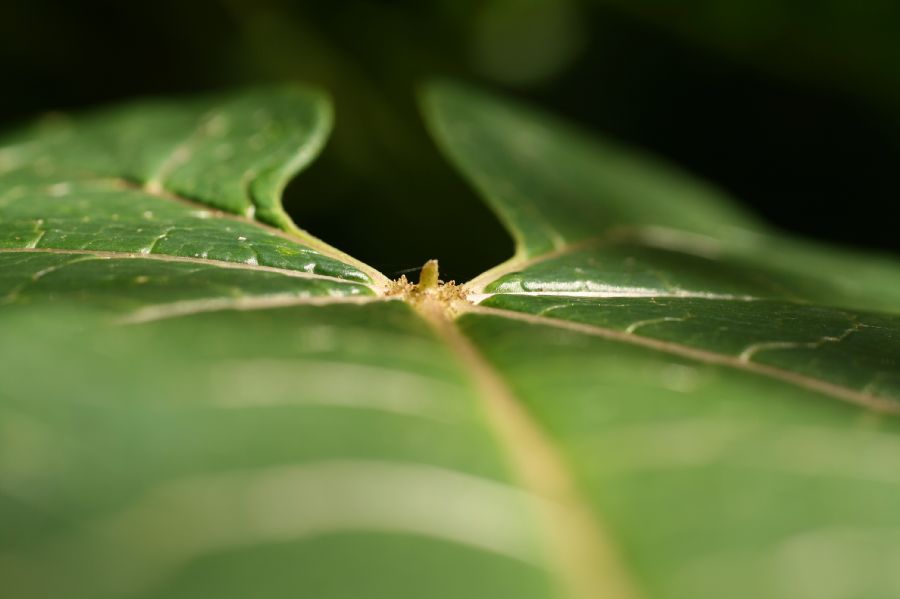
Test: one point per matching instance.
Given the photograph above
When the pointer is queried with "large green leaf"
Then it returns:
(655, 397)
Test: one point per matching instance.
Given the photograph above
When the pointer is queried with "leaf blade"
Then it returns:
(688, 375)
(269, 433)
(520, 160)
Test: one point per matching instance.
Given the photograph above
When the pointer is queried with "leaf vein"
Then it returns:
(853, 396)
(586, 562)
(264, 302)
(112, 255)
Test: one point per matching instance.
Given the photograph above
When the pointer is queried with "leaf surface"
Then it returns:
(670, 272)
(228, 395)
(162, 202)
(713, 385)
(655, 397)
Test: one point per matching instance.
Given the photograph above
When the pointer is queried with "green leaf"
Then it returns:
(691, 364)
(560, 192)
(546, 180)
(655, 397)
(84, 201)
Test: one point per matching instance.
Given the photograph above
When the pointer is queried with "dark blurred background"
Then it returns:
(791, 105)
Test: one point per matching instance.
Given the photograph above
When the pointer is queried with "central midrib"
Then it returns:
(583, 557)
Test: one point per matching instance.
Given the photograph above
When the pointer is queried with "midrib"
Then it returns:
(583, 557)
